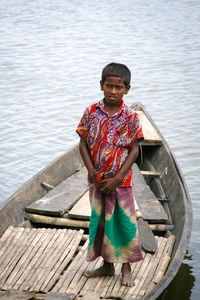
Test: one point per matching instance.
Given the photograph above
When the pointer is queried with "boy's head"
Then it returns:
(116, 70)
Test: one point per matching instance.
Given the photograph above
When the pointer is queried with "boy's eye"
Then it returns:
(118, 87)
(110, 86)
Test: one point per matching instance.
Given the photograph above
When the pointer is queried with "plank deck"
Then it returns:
(44, 259)
(35, 258)
(59, 200)
(143, 272)
(143, 195)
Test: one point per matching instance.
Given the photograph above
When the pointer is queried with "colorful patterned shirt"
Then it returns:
(109, 138)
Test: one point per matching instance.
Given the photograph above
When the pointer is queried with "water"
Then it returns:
(51, 57)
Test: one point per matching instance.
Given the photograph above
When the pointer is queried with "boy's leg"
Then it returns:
(107, 269)
(127, 279)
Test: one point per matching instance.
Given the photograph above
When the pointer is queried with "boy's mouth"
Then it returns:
(112, 98)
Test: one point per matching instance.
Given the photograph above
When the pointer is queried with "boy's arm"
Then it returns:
(87, 160)
(108, 186)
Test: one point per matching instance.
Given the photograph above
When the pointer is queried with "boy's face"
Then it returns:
(114, 89)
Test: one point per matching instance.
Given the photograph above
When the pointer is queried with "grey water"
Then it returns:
(51, 57)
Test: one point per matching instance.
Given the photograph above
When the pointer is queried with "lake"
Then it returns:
(51, 57)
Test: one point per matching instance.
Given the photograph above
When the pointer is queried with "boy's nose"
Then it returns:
(113, 90)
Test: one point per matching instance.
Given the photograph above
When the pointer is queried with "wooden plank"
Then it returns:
(86, 266)
(143, 195)
(57, 221)
(150, 270)
(157, 262)
(60, 296)
(151, 137)
(68, 275)
(59, 200)
(44, 267)
(124, 290)
(8, 243)
(5, 237)
(31, 257)
(114, 283)
(35, 258)
(8, 256)
(18, 252)
(20, 266)
(35, 261)
(149, 205)
(47, 258)
(89, 285)
(82, 208)
(62, 262)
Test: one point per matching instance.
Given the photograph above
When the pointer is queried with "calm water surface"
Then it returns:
(51, 57)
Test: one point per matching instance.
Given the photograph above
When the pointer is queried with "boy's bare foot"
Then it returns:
(106, 270)
(127, 279)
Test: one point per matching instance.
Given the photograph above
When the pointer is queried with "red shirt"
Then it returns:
(109, 138)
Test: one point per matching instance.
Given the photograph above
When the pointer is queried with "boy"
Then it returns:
(110, 133)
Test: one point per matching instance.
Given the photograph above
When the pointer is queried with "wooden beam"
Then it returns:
(57, 221)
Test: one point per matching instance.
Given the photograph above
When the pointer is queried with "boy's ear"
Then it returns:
(101, 85)
(127, 88)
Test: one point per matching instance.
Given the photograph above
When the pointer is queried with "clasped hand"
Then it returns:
(107, 186)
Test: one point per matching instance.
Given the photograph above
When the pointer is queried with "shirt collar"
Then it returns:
(101, 105)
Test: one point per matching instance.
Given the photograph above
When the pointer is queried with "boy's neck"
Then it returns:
(111, 109)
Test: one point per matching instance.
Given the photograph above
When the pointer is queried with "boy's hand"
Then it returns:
(109, 186)
(92, 179)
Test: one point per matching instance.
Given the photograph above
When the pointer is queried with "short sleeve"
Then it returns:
(83, 126)
(135, 128)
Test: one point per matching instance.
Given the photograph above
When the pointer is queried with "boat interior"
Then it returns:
(43, 255)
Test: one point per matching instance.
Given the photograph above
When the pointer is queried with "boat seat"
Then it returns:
(146, 199)
(59, 200)
(151, 136)
(143, 195)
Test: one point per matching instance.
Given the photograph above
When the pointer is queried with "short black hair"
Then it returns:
(116, 70)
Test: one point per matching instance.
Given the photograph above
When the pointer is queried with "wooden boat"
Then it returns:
(44, 228)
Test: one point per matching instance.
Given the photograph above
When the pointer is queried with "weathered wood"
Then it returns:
(90, 296)
(92, 282)
(161, 227)
(5, 237)
(7, 259)
(61, 198)
(81, 209)
(47, 186)
(23, 262)
(146, 235)
(113, 282)
(157, 158)
(34, 262)
(153, 263)
(19, 250)
(60, 296)
(143, 195)
(151, 137)
(163, 268)
(16, 295)
(62, 262)
(161, 253)
(121, 291)
(68, 275)
(48, 258)
(151, 174)
(146, 200)
(37, 257)
(57, 221)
